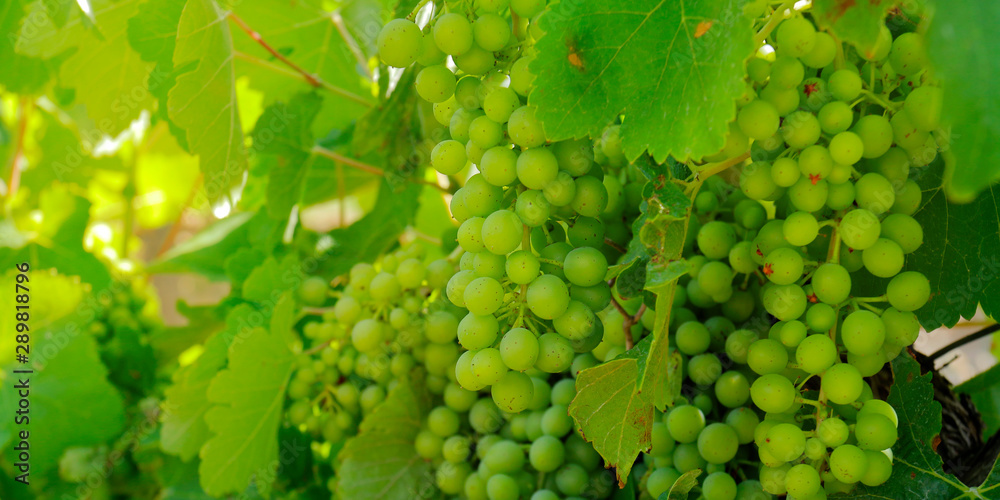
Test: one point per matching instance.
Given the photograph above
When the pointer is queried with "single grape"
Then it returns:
(513, 392)
(860, 229)
(685, 422)
(908, 291)
(399, 43)
(842, 383)
(767, 356)
(773, 393)
(796, 37)
(732, 389)
(800, 228)
(453, 34)
(536, 167)
(848, 463)
(758, 119)
(718, 443)
(816, 353)
(785, 442)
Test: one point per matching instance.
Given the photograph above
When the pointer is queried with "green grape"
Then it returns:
(482, 198)
(500, 103)
(577, 323)
(704, 369)
(831, 283)
(715, 239)
(484, 134)
(501, 232)
(876, 134)
(785, 172)
(846, 148)
(840, 196)
(802, 481)
(453, 34)
(662, 443)
(904, 230)
(796, 37)
(477, 331)
(717, 443)
(435, 83)
(491, 32)
(901, 328)
(513, 392)
(924, 107)
(758, 69)
(879, 468)
(800, 229)
(429, 54)
(744, 421)
(820, 317)
(428, 445)
(823, 52)
(525, 130)
(585, 266)
(800, 129)
(842, 383)
(572, 479)
(706, 202)
(685, 422)
(442, 421)
(732, 389)
(532, 208)
(758, 119)
(862, 333)
(486, 264)
(757, 181)
(548, 297)
(833, 432)
(563, 392)
(715, 277)
(399, 43)
(907, 55)
(719, 486)
(875, 432)
(576, 157)
(786, 72)
(907, 198)
(859, 229)
(815, 449)
(908, 291)
(883, 259)
(894, 165)
(556, 421)
(502, 487)
(848, 463)
(467, 91)
(460, 123)
(815, 354)
(536, 167)
(905, 134)
(367, 335)
(483, 296)
(484, 417)
(835, 117)
(441, 327)
(555, 353)
(783, 266)
(792, 333)
(738, 345)
(450, 477)
(313, 291)
(520, 77)
(488, 366)
(692, 338)
(556, 252)
(522, 267)
(815, 163)
(740, 259)
(772, 479)
(767, 356)
(784, 100)
(591, 197)
(786, 442)
(845, 84)
(785, 302)
(547, 453)
(773, 393)
(874, 193)
(807, 195)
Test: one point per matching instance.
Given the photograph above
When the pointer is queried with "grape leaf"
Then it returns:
(305, 32)
(596, 61)
(381, 463)
(284, 130)
(684, 484)
(69, 383)
(962, 46)
(961, 252)
(916, 469)
(373, 234)
(207, 251)
(22, 74)
(611, 413)
(203, 101)
(267, 281)
(855, 22)
(109, 78)
(248, 398)
(186, 401)
(984, 390)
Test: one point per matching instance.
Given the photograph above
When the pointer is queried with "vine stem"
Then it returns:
(772, 22)
(630, 320)
(365, 167)
(716, 168)
(22, 127)
(964, 340)
(310, 78)
(877, 99)
(612, 244)
(317, 348)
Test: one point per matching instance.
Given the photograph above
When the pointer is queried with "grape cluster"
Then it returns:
(122, 327)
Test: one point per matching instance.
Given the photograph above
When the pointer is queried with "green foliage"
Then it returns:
(680, 98)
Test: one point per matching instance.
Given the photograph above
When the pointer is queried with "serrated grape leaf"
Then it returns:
(684, 484)
(22, 74)
(203, 100)
(248, 397)
(381, 463)
(374, 233)
(206, 252)
(962, 45)
(675, 67)
(304, 32)
(855, 22)
(69, 383)
(284, 130)
(186, 401)
(612, 414)
(109, 78)
(984, 389)
(961, 252)
(917, 472)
